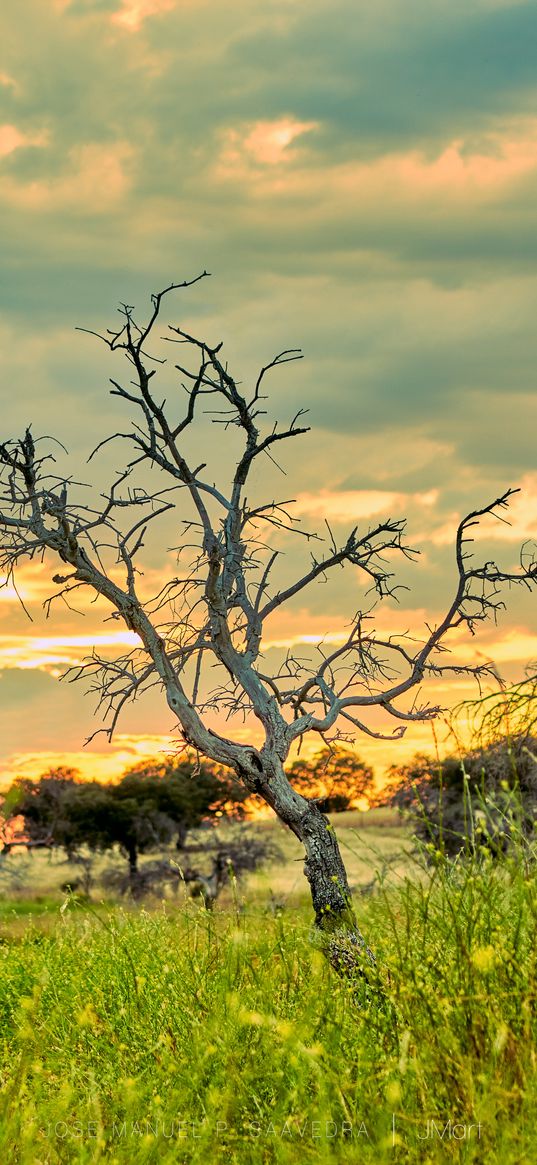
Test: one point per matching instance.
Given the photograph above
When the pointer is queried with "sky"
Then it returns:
(360, 178)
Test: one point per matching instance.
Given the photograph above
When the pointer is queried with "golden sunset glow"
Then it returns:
(44, 651)
(132, 13)
(94, 764)
(12, 139)
(385, 228)
(352, 505)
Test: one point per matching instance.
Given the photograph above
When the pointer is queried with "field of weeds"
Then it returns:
(172, 1034)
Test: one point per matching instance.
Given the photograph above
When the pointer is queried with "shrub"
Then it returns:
(482, 798)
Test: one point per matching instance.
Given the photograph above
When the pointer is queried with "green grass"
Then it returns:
(22, 907)
(174, 1036)
(368, 840)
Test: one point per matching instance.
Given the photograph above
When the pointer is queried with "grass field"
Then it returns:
(372, 843)
(173, 1035)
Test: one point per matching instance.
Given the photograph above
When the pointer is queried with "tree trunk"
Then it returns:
(132, 855)
(181, 835)
(324, 868)
(87, 877)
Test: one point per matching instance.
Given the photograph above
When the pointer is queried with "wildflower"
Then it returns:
(393, 1092)
(87, 1017)
(483, 959)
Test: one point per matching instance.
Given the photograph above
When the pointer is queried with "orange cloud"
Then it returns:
(520, 520)
(264, 143)
(12, 139)
(288, 627)
(132, 13)
(57, 651)
(9, 82)
(98, 179)
(351, 505)
(94, 762)
(462, 174)
(517, 645)
(125, 750)
(267, 142)
(33, 585)
(518, 524)
(513, 646)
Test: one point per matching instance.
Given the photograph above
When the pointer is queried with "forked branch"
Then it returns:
(215, 613)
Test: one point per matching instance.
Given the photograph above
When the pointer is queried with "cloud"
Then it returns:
(32, 585)
(391, 73)
(97, 180)
(514, 645)
(56, 652)
(517, 524)
(12, 139)
(265, 142)
(362, 179)
(38, 714)
(461, 174)
(352, 505)
(132, 13)
(92, 763)
(8, 82)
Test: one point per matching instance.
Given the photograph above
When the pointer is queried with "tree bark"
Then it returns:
(132, 856)
(324, 868)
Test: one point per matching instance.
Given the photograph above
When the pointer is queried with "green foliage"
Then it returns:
(128, 1037)
(485, 797)
(183, 791)
(336, 776)
(151, 805)
(59, 809)
(511, 711)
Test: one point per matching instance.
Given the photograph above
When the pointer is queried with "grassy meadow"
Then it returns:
(170, 1034)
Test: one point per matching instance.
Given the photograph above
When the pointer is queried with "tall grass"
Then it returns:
(166, 1037)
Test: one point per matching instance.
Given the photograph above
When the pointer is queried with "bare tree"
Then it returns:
(215, 611)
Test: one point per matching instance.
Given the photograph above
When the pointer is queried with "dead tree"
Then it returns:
(207, 886)
(230, 583)
(240, 855)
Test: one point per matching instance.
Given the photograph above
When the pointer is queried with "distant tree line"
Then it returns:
(483, 796)
(152, 806)
(155, 805)
(336, 777)
(469, 801)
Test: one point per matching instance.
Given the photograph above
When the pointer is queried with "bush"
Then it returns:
(336, 777)
(483, 798)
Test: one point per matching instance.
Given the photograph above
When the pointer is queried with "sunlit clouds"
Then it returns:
(266, 142)
(461, 173)
(361, 182)
(93, 763)
(95, 180)
(352, 505)
(8, 82)
(12, 139)
(132, 13)
(59, 651)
